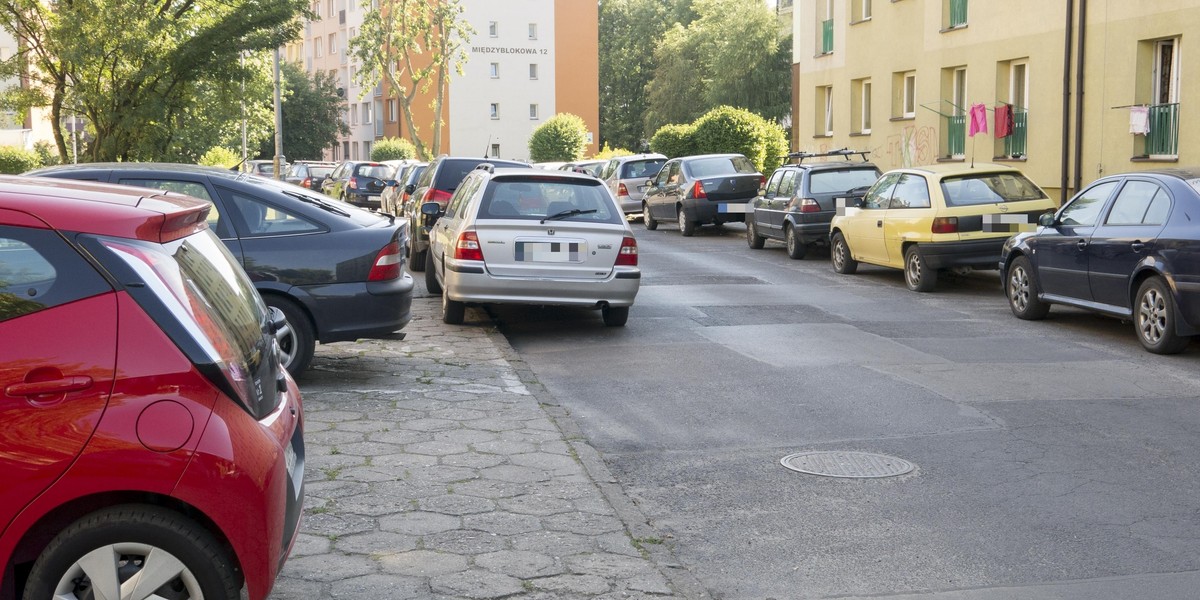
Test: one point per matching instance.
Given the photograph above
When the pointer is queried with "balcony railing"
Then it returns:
(1163, 139)
(956, 135)
(827, 36)
(1014, 144)
(958, 13)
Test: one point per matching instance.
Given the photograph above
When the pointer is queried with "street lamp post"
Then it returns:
(278, 121)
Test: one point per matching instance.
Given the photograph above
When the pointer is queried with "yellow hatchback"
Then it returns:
(938, 217)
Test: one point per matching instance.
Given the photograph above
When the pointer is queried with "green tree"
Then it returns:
(562, 137)
(311, 111)
(14, 161)
(218, 156)
(134, 70)
(412, 45)
(629, 32)
(729, 55)
(674, 140)
(393, 149)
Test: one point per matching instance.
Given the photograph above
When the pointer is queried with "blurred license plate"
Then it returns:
(550, 251)
(642, 188)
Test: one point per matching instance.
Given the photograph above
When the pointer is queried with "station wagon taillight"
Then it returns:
(698, 191)
(467, 247)
(945, 225)
(809, 205)
(622, 190)
(628, 255)
(387, 263)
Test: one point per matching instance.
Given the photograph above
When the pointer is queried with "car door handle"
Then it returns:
(1137, 246)
(1081, 244)
(50, 388)
(879, 223)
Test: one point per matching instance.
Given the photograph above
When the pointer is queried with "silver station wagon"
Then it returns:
(531, 236)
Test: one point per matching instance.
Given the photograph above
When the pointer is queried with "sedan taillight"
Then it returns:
(945, 225)
(467, 247)
(628, 255)
(698, 191)
(306, 183)
(387, 263)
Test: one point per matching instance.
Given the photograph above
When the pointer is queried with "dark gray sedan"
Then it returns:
(335, 271)
(697, 190)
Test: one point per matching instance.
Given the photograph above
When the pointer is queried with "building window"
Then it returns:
(332, 44)
(533, 71)
(493, 29)
(345, 150)
(353, 151)
(954, 14)
(391, 109)
(904, 94)
(953, 110)
(824, 21)
(861, 11)
(1162, 139)
(533, 31)
(329, 12)
(495, 150)
(318, 47)
(1011, 116)
(354, 114)
(366, 113)
(494, 70)
(494, 110)
(366, 151)
(823, 102)
(533, 111)
(860, 109)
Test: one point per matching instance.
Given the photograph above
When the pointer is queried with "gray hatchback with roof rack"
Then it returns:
(800, 199)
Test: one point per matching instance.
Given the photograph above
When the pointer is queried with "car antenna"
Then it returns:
(488, 147)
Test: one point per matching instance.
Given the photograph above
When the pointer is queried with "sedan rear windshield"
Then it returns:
(319, 172)
(826, 182)
(641, 169)
(720, 165)
(535, 198)
(989, 188)
(376, 171)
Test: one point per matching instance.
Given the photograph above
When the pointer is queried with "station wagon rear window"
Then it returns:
(825, 182)
(989, 188)
(536, 198)
(641, 169)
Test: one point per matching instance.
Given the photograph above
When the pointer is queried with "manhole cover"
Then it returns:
(847, 464)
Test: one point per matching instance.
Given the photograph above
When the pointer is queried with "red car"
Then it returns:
(151, 443)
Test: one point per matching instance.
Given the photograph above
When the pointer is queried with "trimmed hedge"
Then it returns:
(726, 129)
(562, 137)
(219, 156)
(14, 160)
(391, 148)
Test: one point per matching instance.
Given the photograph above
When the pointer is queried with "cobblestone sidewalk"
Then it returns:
(437, 468)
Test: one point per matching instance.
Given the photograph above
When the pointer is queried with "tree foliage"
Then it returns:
(726, 129)
(219, 156)
(629, 32)
(311, 111)
(14, 161)
(138, 71)
(729, 55)
(562, 137)
(674, 140)
(390, 148)
(412, 45)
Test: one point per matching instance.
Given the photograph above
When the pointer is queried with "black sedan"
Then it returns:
(358, 182)
(335, 271)
(1126, 246)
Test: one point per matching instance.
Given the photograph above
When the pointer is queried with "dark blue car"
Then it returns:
(1126, 246)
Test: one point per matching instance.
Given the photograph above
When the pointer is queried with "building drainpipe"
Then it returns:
(1066, 109)
(1077, 180)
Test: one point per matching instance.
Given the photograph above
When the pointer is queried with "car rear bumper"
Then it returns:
(364, 200)
(977, 254)
(472, 286)
(709, 211)
(349, 311)
(813, 229)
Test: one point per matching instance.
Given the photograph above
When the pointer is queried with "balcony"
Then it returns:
(956, 136)
(1014, 144)
(1163, 139)
(827, 36)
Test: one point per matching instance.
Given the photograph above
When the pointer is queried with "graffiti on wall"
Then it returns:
(911, 147)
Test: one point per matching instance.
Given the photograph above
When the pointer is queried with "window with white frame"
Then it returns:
(861, 106)
(354, 114)
(493, 29)
(533, 31)
(332, 44)
(318, 47)
(908, 95)
(366, 112)
(329, 8)
(823, 113)
(860, 11)
(494, 110)
(533, 111)
(495, 150)
(391, 110)
(533, 71)
(494, 70)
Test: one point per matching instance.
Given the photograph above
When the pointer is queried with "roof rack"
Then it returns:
(844, 152)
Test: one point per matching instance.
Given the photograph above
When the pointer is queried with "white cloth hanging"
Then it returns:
(1139, 120)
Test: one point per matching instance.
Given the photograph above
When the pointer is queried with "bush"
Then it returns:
(728, 129)
(219, 156)
(606, 153)
(47, 153)
(674, 140)
(562, 137)
(14, 161)
(391, 148)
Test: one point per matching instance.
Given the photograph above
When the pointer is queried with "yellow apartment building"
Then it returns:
(1082, 89)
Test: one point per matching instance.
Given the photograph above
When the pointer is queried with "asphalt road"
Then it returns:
(1054, 459)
